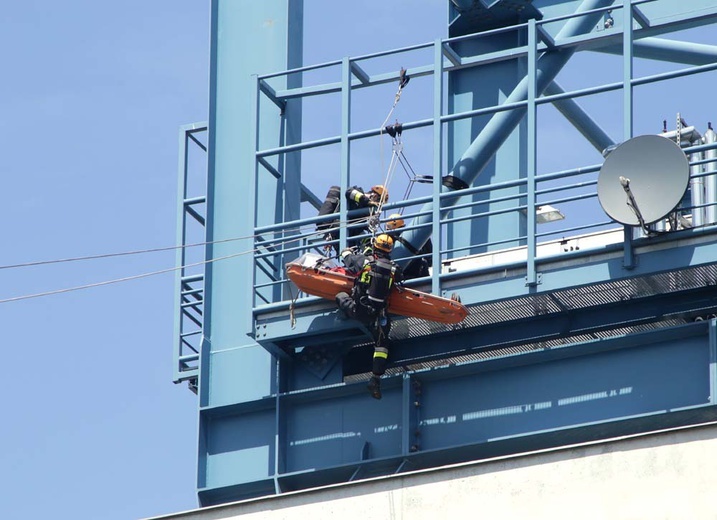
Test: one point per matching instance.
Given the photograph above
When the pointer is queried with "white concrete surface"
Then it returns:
(666, 475)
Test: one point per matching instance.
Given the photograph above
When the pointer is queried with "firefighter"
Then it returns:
(377, 195)
(356, 199)
(416, 267)
(376, 274)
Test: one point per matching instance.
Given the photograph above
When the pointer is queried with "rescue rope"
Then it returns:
(403, 79)
(292, 317)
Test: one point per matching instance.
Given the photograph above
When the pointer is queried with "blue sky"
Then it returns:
(93, 95)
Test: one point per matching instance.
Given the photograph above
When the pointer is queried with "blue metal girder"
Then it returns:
(471, 411)
(270, 424)
(536, 330)
(321, 477)
(607, 41)
(668, 50)
(572, 111)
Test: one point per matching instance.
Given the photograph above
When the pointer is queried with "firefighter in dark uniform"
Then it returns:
(416, 267)
(376, 274)
(355, 199)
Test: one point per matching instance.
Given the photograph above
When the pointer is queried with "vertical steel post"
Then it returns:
(712, 342)
(531, 278)
(179, 254)
(234, 368)
(710, 137)
(252, 187)
(629, 255)
(697, 188)
(437, 164)
(345, 147)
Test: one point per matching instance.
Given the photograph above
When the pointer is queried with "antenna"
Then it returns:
(643, 180)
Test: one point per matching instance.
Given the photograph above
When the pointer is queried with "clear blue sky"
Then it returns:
(93, 94)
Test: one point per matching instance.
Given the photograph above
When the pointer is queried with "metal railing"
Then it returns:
(574, 188)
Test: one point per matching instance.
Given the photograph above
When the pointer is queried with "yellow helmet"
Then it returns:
(383, 243)
(381, 190)
(395, 221)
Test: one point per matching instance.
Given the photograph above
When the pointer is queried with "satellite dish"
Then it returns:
(643, 180)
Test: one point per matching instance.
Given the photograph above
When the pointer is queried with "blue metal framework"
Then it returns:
(568, 339)
(189, 292)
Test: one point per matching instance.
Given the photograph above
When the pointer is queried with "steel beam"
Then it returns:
(580, 119)
(673, 51)
(502, 124)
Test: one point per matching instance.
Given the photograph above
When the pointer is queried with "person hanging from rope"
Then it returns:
(417, 267)
(356, 199)
(376, 275)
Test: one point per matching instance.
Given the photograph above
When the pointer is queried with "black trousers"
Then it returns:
(352, 309)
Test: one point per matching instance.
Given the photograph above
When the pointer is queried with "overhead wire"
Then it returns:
(117, 280)
(395, 158)
(288, 240)
(122, 253)
(153, 250)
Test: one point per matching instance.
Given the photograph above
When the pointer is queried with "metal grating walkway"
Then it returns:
(697, 281)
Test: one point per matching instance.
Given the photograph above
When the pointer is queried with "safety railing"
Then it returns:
(572, 191)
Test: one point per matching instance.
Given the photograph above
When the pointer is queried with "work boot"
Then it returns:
(374, 387)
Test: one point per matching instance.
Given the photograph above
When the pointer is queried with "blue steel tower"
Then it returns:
(588, 330)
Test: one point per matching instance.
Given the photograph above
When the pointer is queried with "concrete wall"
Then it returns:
(665, 475)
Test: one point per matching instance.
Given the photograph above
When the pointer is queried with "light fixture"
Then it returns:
(547, 213)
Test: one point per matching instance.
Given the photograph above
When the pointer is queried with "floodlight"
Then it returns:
(547, 213)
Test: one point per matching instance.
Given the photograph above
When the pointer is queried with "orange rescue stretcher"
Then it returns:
(316, 275)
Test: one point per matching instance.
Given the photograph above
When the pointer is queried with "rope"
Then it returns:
(403, 80)
(397, 148)
(292, 317)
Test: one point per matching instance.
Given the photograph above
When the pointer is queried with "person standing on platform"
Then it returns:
(356, 199)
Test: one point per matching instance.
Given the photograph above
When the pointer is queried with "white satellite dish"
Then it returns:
(643, 180)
